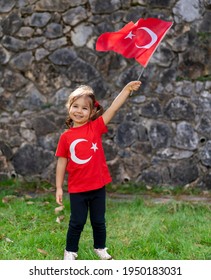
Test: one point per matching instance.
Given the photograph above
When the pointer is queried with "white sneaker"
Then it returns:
(102, 254)
(71, 256)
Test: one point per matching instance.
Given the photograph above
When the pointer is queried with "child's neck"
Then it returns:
(79, 124)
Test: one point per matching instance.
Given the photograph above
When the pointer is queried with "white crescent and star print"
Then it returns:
(152, 35)
(73, 155)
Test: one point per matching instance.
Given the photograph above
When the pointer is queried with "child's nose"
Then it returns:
(79, 109)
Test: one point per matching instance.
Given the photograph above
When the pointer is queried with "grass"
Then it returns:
(136, 229)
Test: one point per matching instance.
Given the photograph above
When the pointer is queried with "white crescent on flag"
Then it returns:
(73, 155)
(153, 36)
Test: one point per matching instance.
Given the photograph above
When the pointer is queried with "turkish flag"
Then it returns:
(135, 40)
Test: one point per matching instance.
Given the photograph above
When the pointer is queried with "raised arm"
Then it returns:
(120, 100)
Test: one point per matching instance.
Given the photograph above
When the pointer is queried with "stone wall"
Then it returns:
(161, 136)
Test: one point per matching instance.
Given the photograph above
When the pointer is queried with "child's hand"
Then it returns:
(59, 195)
(134, 85)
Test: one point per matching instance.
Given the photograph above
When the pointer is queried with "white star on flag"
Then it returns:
(94, 147)
(130, 35)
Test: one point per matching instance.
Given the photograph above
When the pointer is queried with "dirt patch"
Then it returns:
(162, 198)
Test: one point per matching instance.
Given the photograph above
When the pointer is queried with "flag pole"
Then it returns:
(139, 77)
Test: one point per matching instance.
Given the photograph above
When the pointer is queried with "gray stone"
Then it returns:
(31, 160)
(13, 44)
(186, 138)
(207, 4)
(192, 62)
(138, 99)
(40, 19)
(63, 56)
(6, 5)
(47, 142)
(6, 150)
(133, 13)
(61, 96)
(81, 72)
(206, 22)
(204, 102)
(179, 109)
(151, 176)
(42, 126)
(35, 43)
(28, 135)
(206, 182)
(54, 30)
(22, 61)
(100, 87)
(126, 134)
(110, 150)
(163, 56)
(193, 8)
(81, 34)
(75, 3)
(7, 103)
(25, 31)
(33, 99)
(199, 86)
(159, 135)
(4, 55)
(208, 85)
(56, 44)
(205, 154)
(184, 172)
(160, 3)
(13, 81)
(187, 88)
(41, 53)
(142, 133)
(102, 7)
(129, 74)
(11, 24)
(75, 16)
(204, 127)
(133, 166)
(180, 43)
(172, 153)
(151, 109)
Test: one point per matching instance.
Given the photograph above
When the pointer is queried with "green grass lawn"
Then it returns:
(136, 229)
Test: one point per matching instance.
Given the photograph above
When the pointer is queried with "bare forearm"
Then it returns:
(60, 172)
(120, 100)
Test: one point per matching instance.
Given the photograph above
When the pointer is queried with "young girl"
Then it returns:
(80, 152)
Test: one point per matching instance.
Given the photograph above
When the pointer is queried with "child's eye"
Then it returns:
(85, 108)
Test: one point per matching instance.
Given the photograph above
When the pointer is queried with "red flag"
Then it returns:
(138, 40)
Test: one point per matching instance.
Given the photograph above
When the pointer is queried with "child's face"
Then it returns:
(80, 111)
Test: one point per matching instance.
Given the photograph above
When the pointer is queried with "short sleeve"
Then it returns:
(100, 126)
(62, 147)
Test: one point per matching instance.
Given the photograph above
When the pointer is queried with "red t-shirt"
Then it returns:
(82, 146)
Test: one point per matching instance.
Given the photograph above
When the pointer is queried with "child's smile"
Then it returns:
(80, 111)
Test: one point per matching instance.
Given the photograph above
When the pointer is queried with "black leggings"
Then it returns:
(79, 205)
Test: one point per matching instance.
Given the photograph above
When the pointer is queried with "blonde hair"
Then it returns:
(83, 91)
